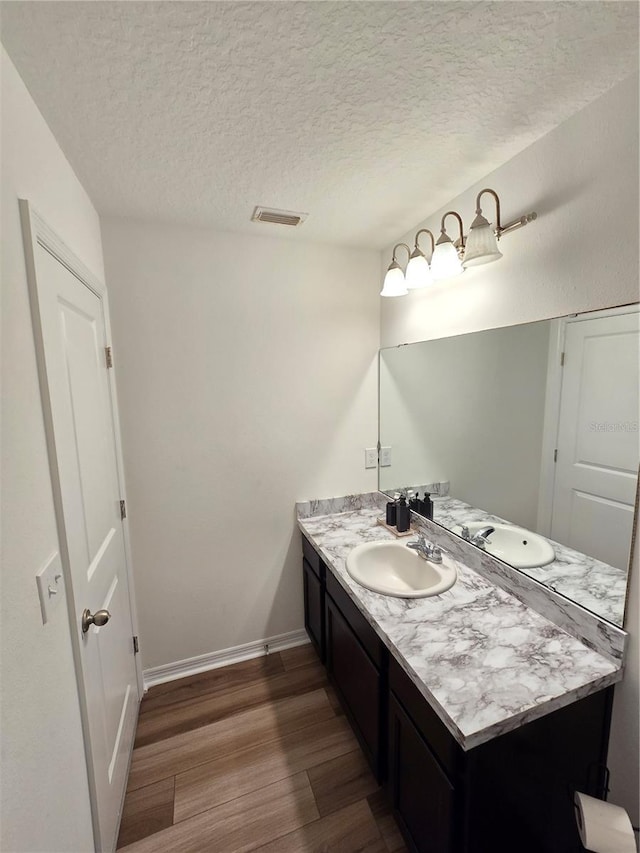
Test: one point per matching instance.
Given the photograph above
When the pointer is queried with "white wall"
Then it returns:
(581, 254)
(247, 380)
(442, 411)
(44, 797)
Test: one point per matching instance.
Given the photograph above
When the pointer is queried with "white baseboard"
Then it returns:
(213, 660)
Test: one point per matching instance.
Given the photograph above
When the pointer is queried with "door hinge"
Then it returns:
(562, 357)
(136, 647)
(555, 455)
(108, 354)
(123, 510)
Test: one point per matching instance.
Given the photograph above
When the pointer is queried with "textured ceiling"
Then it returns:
(366, 115)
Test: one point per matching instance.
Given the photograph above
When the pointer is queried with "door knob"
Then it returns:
(99, 618)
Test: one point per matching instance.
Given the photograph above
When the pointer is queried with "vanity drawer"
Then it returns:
(432, 729)
(313, 558)
(359, 625)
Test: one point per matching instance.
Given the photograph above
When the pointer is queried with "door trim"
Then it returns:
(36, 232)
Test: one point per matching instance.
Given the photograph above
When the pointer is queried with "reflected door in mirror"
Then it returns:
(597, 463)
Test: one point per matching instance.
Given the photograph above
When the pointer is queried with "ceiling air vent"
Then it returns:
(278, 217)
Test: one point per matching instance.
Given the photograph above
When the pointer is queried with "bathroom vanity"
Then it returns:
(479, 715)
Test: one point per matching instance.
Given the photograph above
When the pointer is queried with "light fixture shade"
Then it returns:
(445, 262)
(482, 245)
(418, 271)
(394, 283)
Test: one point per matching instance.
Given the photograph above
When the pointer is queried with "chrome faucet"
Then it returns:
(426, 550)
(480, 537)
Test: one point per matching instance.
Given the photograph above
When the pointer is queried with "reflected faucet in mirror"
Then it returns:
(479, 537)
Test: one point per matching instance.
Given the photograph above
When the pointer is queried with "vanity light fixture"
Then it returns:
(449, 258)
(482, 242)
(418, 271)
(445, 262)
(394, 281)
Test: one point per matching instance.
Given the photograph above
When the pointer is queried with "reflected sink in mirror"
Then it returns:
(391, 568)
(521, 548)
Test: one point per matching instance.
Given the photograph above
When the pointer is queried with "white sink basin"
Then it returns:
(393, 569)
(521, 548)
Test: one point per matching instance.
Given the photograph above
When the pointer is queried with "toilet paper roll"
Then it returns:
(603, 827)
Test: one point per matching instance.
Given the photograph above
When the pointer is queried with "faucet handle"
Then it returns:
(435, 553)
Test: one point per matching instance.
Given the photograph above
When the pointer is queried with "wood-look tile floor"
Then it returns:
(255, 756)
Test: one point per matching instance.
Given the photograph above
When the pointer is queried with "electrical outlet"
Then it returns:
(371, 457)
(385, 457)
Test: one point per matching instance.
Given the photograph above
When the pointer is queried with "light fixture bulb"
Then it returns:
(445, 262)
(394, 282)
(482, 245)
(418, 271)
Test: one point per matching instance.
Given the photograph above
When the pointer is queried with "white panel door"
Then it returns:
(82, 448)
(597, 465)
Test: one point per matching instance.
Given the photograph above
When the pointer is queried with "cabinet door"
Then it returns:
(421, 794)
(357, 680)
(313, 608)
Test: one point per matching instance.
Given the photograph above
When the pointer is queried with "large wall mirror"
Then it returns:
(528, 438)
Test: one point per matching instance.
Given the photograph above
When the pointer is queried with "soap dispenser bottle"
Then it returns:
(402, 520)
(392, 506)
(414, 501)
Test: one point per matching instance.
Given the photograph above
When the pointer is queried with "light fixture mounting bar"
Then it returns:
(520, 222)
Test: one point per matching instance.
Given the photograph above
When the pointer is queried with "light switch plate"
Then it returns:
(50, 586)
(371, 457)
(385, 457)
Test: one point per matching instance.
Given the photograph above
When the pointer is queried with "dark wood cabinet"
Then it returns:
(313, 580)
(358, 682)
(422, 796)
(355, 657)
(521, 784)
(514, 793)
(314, 608)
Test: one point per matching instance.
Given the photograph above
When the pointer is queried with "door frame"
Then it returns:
(551, 421)
(36, 232)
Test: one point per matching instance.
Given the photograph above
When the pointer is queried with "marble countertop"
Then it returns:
(484, 661)
(597, 586)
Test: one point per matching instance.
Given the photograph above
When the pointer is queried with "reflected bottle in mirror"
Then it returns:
(426, 506)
